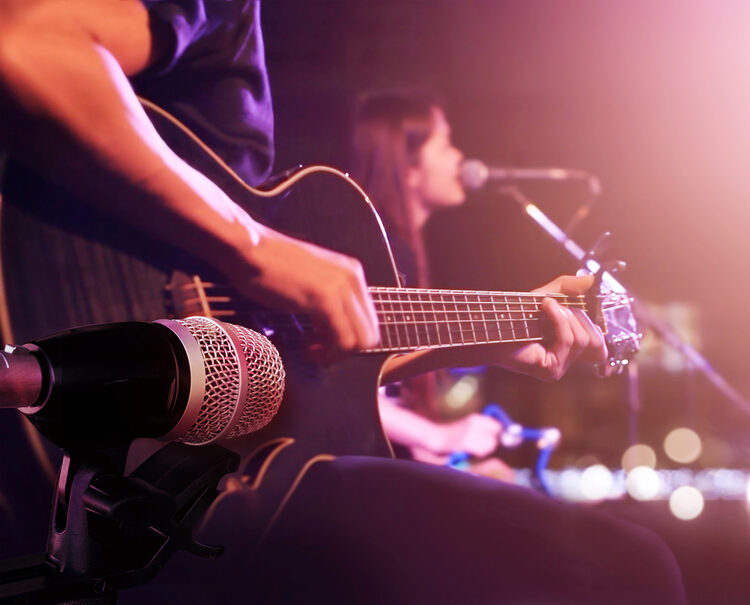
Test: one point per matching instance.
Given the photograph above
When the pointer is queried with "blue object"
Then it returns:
(546, 440)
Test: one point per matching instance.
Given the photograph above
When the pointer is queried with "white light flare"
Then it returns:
(683, 445)
(638, 455)
(686, 503)
(596, 482)
(642, 483)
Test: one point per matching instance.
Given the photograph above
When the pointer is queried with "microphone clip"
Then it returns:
(110, 532)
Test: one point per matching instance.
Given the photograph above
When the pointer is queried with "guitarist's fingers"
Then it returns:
(588, 341)
(364, 322)
(581, 337)
(335, 333)
(597, 347)
(362, 311)
(572, 285)
(354, 319)
(571, 338)
(331, 336)
(346, 314)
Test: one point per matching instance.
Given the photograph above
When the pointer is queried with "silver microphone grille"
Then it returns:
(473, 174)
(244, 381)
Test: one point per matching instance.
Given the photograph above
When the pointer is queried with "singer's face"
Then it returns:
(435, 179)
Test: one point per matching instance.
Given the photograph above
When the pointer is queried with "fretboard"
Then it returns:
(409, 318)
(423, 318)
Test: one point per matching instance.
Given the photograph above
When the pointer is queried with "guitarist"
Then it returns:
(86, 162)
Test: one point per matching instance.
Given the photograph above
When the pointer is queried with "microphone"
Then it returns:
(196, 380)
(475, 174)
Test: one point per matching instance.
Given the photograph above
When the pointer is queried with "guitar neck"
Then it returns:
(423, 318)
(409, 318)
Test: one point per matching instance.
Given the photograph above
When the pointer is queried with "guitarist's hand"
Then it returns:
(297, 276)
(576, 337)
(74, 117)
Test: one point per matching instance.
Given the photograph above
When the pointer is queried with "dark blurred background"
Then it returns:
(653, 97)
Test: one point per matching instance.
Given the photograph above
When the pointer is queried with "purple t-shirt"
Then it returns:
(212, 76)
(70, 262)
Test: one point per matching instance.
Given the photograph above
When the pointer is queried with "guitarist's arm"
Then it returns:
(575, 337)
(69, 112)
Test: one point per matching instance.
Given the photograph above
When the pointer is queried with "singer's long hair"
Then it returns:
(389, 130)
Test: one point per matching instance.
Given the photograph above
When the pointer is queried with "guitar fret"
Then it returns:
(389, 318)
(462, 320)
(512, 321)
(497, 321)
(435, 319)
(523, 316)
(484, 321)
(447, 325)
(421, 320)
(399, 309)
(471, 320)
(458, 317)
(475, 319)
(425, 321)
(411, 319)
(431, 325)
(405, 315)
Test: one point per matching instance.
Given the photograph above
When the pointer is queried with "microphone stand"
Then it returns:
(109, 532)
(644, 315)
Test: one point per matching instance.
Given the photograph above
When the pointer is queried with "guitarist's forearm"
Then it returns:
(70, 113)
(67, 104)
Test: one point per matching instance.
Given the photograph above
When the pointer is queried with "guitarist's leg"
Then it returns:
(382, 531)
(371, 530)
(401, 532)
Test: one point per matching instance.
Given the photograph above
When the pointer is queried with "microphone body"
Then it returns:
(196, 380)
(475, 174)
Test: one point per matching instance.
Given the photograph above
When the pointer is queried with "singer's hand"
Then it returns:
(292, 275)
(575, 336)
(430, 441)
(476, 434)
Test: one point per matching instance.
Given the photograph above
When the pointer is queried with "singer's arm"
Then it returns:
(69, 111)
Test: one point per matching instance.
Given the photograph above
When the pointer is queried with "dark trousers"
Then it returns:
(370, 530)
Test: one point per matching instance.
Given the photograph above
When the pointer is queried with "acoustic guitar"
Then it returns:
(326, 411)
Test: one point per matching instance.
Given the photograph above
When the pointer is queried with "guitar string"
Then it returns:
(465, 306)
(466, 309)
(441, 301)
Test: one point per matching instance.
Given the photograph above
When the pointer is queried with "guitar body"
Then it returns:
(330, 410)
(326, 410)
(66, 265)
